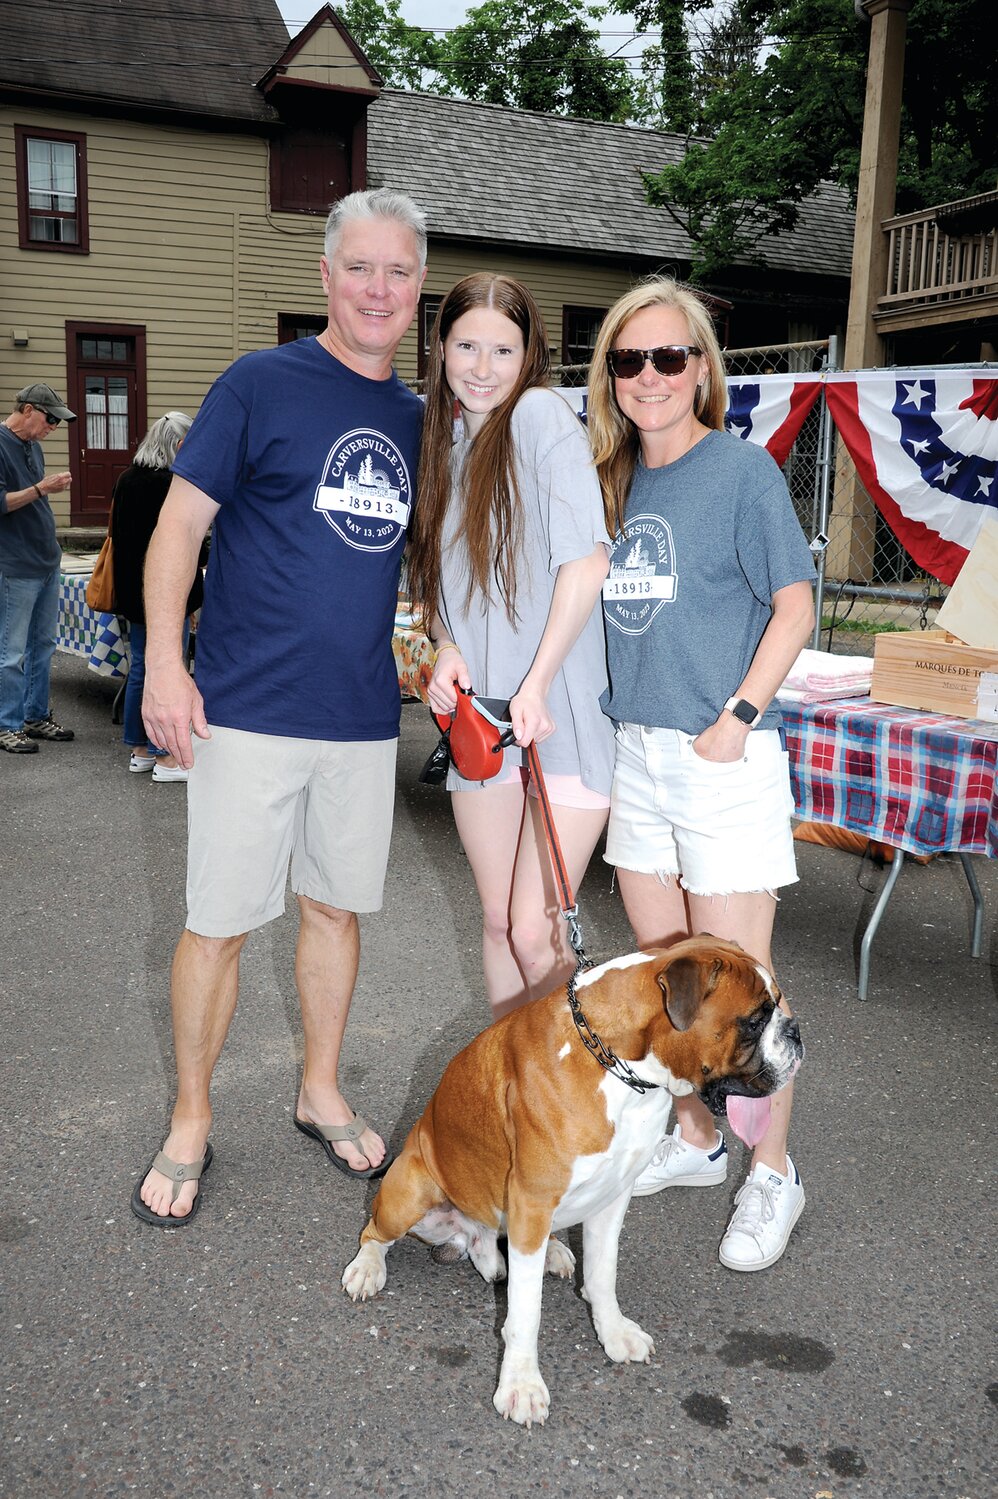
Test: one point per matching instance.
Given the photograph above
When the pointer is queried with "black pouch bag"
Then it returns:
(434, 772)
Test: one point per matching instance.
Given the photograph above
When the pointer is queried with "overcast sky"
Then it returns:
(428, 13)
(443, 14)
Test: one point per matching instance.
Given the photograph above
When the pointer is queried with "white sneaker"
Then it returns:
(139, 763)
(767, 1206)
(168, 772)
(676, 1164)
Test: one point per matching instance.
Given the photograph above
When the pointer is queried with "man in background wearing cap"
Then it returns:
(29, 570)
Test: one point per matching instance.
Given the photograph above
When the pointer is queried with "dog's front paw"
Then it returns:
(365, 1275)
(559, 1259)
(625, 1342)
(522, 1396)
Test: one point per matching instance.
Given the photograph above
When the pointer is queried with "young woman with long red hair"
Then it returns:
(508, 552)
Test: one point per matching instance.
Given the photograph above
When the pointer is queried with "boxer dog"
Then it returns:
(527, 1133)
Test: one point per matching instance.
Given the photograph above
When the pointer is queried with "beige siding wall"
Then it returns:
(326, 58)
(173, 212)
(556, 283)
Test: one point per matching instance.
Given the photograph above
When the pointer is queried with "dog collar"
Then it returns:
(607, 1059)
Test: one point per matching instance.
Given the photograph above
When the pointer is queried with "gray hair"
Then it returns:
(159, 446)
(376, 203)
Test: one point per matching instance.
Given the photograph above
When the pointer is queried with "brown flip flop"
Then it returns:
(327, 1133)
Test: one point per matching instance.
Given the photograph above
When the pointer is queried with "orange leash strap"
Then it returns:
(607, 1058)
(569, 909)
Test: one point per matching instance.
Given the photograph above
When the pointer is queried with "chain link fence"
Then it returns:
(867, 582)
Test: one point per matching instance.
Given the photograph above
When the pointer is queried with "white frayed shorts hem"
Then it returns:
(719, 828)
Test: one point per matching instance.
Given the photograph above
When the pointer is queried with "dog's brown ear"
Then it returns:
(685, 983)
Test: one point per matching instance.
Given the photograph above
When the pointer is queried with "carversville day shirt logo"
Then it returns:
(365, 494)
(642, 574)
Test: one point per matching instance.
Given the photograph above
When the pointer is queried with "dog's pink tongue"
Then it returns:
(748, 1117)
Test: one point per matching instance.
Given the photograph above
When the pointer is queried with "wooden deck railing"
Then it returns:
(926, 263)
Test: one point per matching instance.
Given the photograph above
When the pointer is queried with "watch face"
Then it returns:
(744, 711)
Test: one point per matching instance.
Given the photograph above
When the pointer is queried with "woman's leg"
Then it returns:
(489, 823)
(659, 915)
(133, 729)
(748, 920)
(525, 947)
(539, 931)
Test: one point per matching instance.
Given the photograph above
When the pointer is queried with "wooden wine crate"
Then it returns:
(931, 669)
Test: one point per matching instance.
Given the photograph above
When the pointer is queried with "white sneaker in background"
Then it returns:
(168, 772)
(676, 1164)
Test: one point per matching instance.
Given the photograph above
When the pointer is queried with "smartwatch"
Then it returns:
(745, 712)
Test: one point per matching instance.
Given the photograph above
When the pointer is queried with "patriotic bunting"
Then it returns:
(926, 448)
(770, 410)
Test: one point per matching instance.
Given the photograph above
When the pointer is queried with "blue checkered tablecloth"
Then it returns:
(925, 783)
(101, 639)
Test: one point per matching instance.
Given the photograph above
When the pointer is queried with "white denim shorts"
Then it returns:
(722, 828)
(256, 802)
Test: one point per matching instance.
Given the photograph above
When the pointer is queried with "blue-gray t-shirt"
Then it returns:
(312, 466)
(707, 541)
(28, 545)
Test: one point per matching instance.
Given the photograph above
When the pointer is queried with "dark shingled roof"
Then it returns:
(201, 57)
(483, 172)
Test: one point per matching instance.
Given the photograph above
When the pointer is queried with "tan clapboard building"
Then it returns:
(163, 180)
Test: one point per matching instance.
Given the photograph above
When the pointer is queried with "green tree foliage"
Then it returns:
(665, 94)
(402, 54)
(773, 124)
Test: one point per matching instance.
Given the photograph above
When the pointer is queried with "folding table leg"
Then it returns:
(977, 929)
(874, 921)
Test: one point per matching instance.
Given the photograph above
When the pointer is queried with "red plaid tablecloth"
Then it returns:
(922, 782)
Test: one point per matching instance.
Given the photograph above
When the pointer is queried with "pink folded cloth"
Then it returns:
(816, 676)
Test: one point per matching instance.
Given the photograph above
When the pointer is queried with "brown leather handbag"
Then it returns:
(100, 589)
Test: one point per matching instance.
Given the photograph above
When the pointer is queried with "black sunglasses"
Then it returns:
(667, 359)
(53, 421)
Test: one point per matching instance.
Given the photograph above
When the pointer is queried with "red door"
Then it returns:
(107, 384)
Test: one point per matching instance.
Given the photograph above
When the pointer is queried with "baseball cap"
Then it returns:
(45, 398)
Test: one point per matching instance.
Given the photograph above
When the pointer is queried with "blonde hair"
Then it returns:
(613, 436)
(491, 513)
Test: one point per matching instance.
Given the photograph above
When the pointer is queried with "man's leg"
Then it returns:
(204, 989)
(326, 970)
(17, 602)
(40, 649)
(343, 829)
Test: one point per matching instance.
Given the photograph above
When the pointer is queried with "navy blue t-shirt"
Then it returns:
(313, 468)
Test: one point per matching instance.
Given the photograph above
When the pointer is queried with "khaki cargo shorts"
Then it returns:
(259, 802)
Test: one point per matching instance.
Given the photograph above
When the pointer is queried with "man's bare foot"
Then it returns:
(183, 1144)
(328, 1106)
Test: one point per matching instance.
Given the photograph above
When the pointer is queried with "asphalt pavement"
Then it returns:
(224, 1360)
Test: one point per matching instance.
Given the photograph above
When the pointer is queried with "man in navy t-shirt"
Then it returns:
(303, 460)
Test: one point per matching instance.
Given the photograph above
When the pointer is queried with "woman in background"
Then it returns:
(507, 554)
(138, 498)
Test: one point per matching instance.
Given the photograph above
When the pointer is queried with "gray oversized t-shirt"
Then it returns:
(563, 520)
(707, 541)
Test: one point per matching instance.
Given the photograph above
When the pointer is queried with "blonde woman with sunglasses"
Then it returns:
(707, 604)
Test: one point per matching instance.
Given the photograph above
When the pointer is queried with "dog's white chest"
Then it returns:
(639, 1122)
